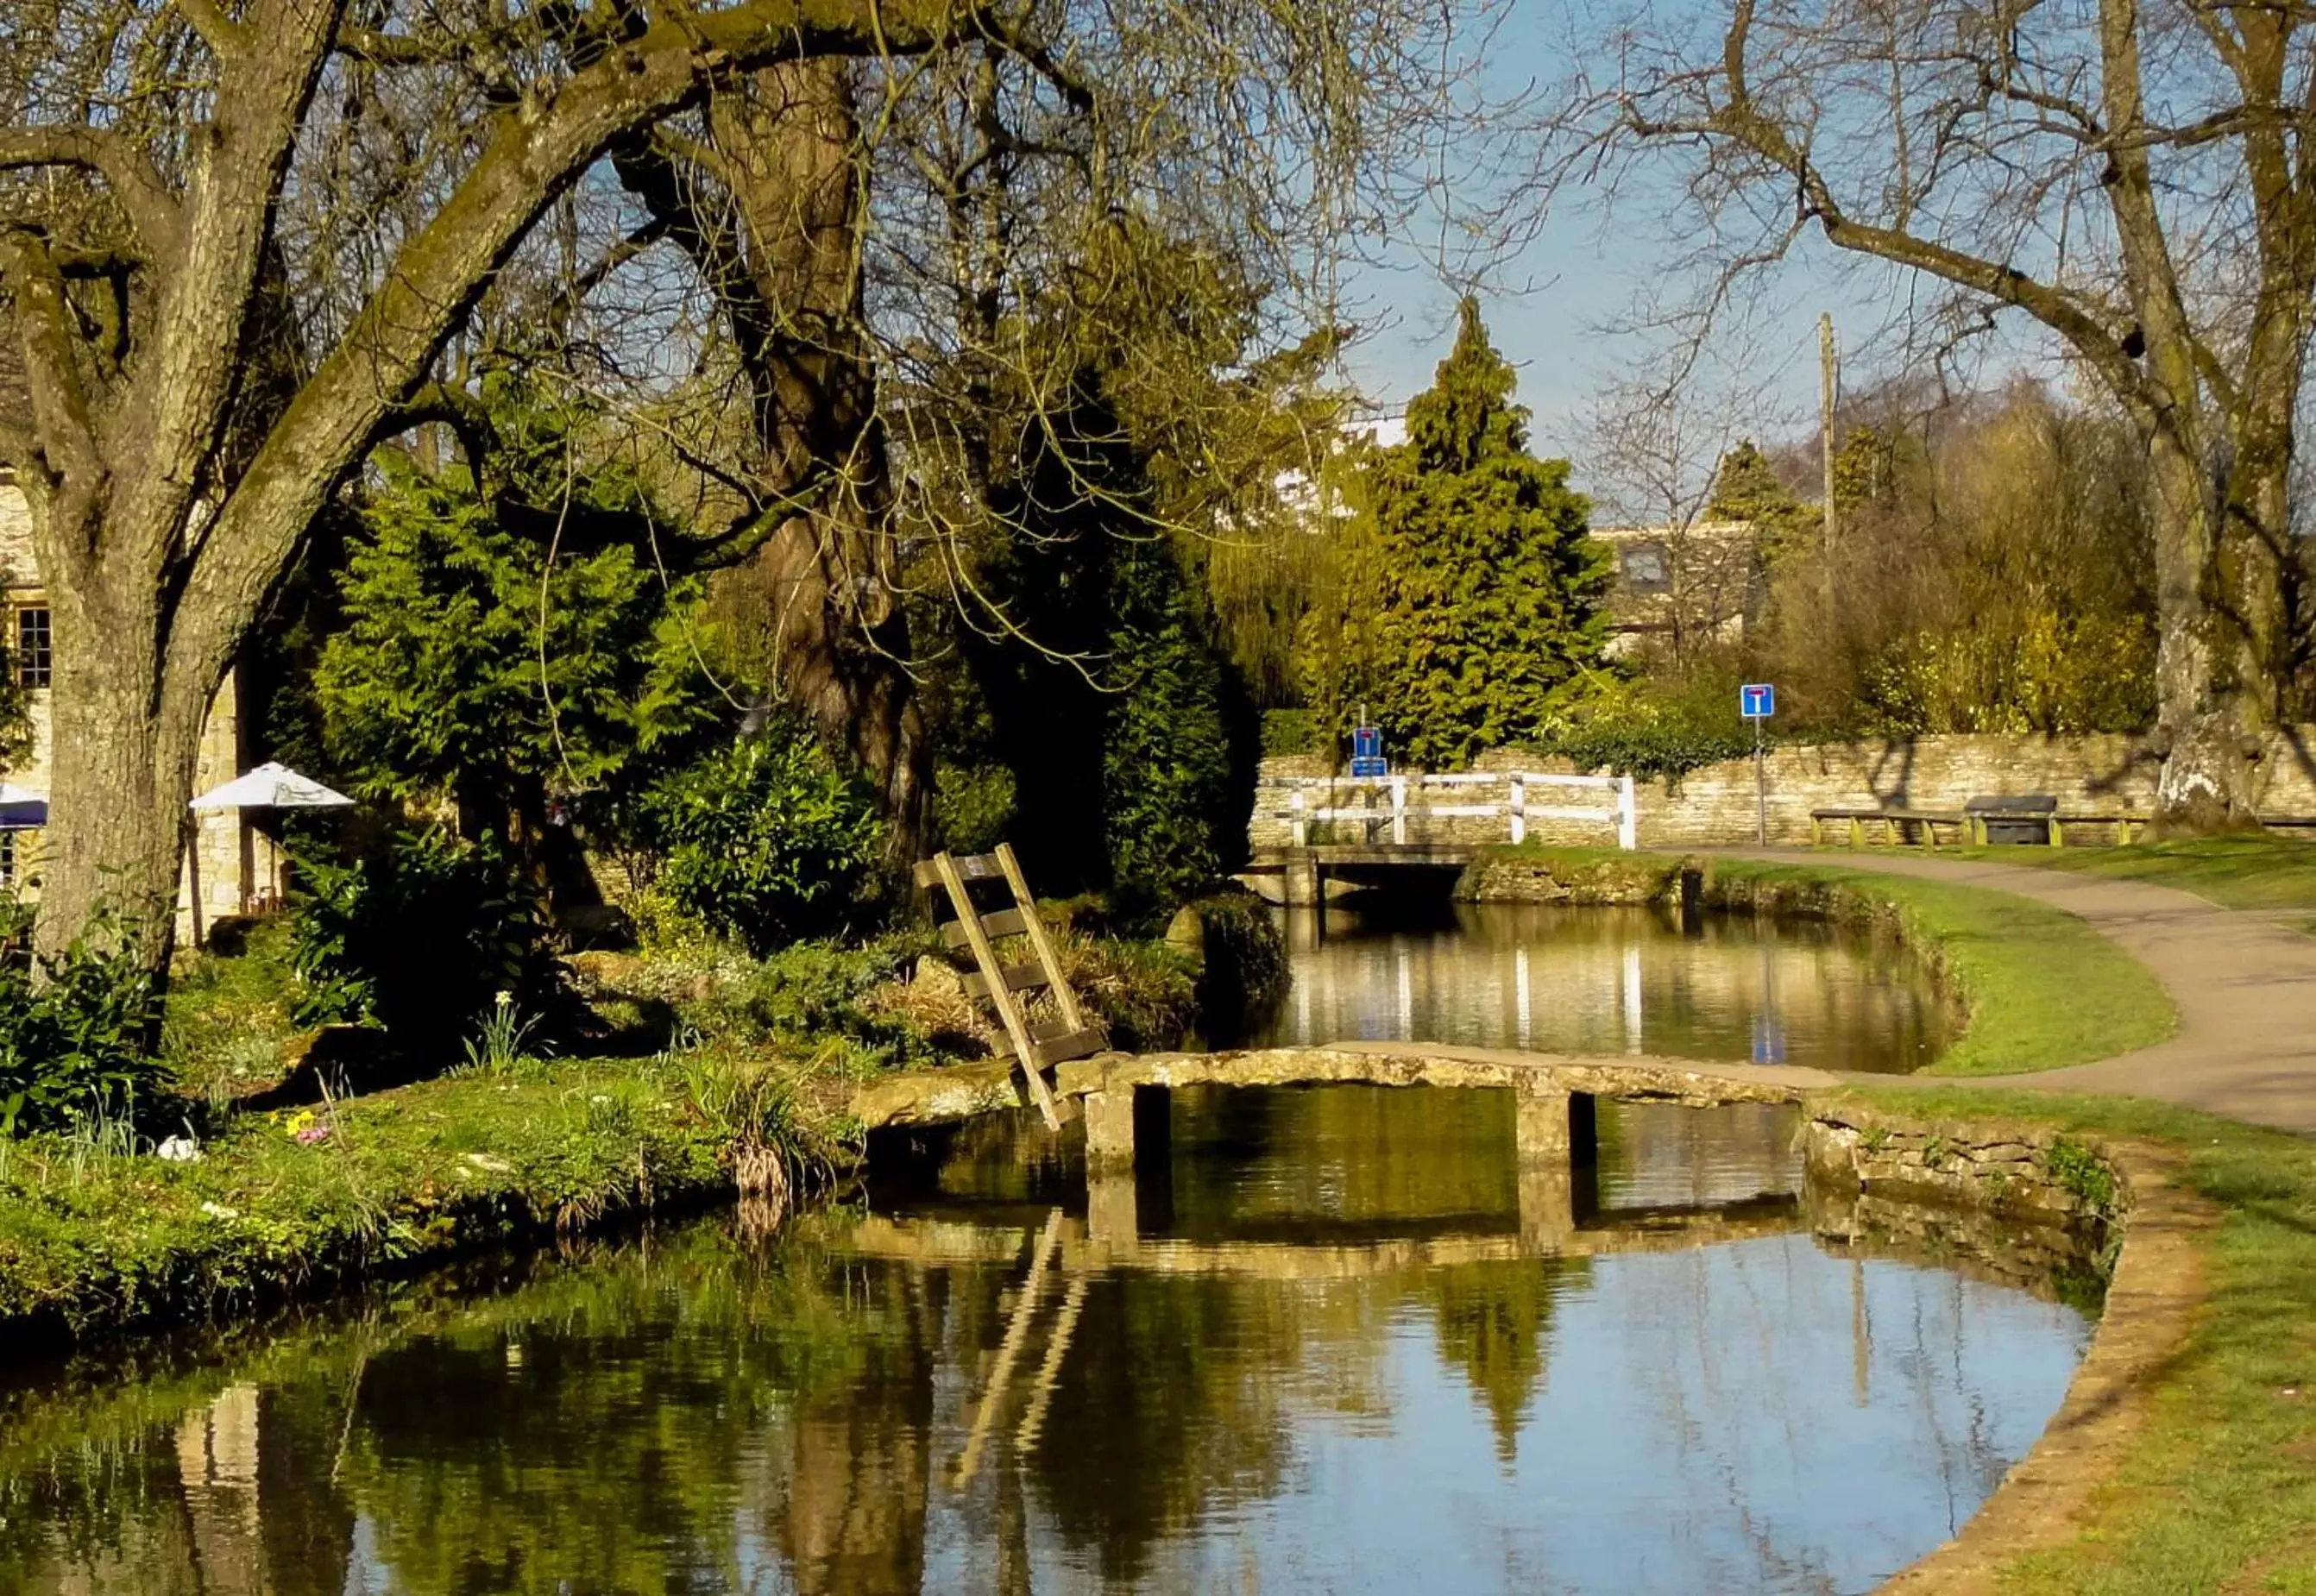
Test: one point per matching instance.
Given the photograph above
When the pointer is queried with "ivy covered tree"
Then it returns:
(1481, 592)
(1130, 736)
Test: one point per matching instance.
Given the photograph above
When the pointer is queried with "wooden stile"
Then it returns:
(1046, 1042)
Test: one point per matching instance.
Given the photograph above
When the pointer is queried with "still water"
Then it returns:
(1321, 1340)
(1607, 980)
(1314, 1349)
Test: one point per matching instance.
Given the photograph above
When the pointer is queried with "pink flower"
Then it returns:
(311, 1134)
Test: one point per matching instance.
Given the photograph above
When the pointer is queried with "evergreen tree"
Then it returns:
(1486, 589)
(1746, 489)
(468, 655)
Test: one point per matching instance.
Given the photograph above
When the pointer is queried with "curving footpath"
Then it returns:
(2245, 987)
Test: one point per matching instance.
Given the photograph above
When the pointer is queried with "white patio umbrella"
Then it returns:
(269, 786)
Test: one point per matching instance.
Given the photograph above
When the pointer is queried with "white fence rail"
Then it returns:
(1311, 799)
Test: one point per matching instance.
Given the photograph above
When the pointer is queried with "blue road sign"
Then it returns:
(1364, 768)
(1366, 742)
(1757, 701)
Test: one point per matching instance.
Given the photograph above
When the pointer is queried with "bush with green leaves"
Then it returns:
(520, 650)
(419, 936)
(1287, 731)
(1649, 727)
(766, 840)
(77, 1028)
(1131, 736)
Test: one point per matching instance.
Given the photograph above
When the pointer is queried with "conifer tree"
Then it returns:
(1486, 590)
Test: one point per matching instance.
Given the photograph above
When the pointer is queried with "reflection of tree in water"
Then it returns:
(602, 1428)
(1340, 1153)
(592, 1441)
(859, 1469)
(1173, 1394)
(1491, 1319)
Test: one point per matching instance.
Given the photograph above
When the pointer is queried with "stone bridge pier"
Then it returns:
(1556, 1140)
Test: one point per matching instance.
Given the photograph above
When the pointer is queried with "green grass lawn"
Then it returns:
(2269, 874)
(2219, 1494)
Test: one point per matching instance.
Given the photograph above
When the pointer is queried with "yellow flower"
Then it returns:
(303, 1120)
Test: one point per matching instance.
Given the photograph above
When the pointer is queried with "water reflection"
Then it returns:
(1605, 981)
(1316, 1348)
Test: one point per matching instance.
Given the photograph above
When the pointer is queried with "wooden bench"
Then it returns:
(1892, 821)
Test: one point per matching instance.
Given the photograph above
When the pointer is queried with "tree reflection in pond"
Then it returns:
(1343, 1366)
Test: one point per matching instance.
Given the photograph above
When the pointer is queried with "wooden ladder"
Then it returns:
(1007, 985)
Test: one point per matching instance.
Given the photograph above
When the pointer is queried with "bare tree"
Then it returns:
(242, 241)
(166, 503)
(2134, 175)
(1651, 448)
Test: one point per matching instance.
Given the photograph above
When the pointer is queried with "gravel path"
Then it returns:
(2245, 986)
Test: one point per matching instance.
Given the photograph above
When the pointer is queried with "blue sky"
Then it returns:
(1551, 307)
(1554, 310)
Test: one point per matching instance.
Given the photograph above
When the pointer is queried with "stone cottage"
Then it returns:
(237, 866)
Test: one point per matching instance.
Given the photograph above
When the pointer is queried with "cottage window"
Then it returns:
(1646, 568)
(34, 657)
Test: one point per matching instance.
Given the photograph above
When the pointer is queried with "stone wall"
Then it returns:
(2030, 1172)
(1715, 805)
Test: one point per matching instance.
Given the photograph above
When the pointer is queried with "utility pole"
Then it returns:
(1825, 386)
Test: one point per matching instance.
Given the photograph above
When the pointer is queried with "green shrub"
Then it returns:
(2080, 1171)
(229, 1013)
(1289, 731)
(1145, 992)
(1647, 729)
(75, 1027)
(766, 840)
(973, 805)
(419, 936)
(1245, 960)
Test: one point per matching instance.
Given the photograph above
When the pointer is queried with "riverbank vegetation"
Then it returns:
(2038, 988)
(696, 1072)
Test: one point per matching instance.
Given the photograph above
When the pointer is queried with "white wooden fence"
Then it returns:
(1312, 799)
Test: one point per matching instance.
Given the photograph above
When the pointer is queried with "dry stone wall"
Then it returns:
(1715, 805)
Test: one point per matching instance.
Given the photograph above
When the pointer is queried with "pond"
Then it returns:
(1606, 980)
(1315, 1343)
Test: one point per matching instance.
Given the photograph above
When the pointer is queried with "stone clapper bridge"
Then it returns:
(1124, 1101)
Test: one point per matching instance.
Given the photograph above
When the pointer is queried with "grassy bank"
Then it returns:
(2217, 1495)
(281, 1204)
(2040, 988)
(699, 1071)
